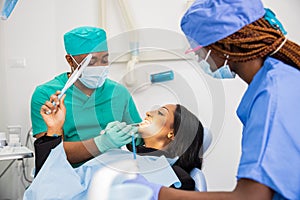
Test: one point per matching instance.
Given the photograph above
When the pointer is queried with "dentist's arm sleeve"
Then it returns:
(37, 100)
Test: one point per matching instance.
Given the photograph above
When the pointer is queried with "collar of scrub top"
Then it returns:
(75, 75)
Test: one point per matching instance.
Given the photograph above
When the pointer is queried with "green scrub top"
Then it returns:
(86, 116)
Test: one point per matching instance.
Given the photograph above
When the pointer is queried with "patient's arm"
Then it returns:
(42, 147)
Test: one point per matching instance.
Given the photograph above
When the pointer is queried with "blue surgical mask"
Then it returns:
(221, 73)
(94, 76)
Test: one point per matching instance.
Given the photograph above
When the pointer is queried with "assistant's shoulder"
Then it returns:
(278, 69)
(281, 77)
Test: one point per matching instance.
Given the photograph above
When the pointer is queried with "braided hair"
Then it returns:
(258, 40)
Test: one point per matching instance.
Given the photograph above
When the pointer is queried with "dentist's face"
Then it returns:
(98, 59)
(158, 122)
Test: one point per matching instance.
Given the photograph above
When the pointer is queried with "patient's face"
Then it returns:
(159, 122)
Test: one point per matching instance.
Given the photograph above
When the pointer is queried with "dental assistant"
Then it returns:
(243, 38)
(91, 102)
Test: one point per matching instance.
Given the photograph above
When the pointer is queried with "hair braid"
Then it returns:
(258, 40)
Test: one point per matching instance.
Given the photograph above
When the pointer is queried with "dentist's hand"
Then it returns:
(56, 114)
(116, 135)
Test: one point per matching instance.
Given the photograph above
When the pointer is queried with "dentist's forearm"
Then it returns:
(80, 151)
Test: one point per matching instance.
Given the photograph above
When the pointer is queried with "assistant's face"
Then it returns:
(213, 59)
(159, 122)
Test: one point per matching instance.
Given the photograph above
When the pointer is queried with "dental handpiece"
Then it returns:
(134, 124)
(143, 123)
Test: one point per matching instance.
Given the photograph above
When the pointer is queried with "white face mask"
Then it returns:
(93, 76)
(221, 73)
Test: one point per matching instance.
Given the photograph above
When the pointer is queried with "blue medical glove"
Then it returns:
(141, 180)
(116, 135)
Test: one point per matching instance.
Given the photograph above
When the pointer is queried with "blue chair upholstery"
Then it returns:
(197, 174)
(199, 178)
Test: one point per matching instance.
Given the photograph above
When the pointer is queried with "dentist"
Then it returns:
(91, 103)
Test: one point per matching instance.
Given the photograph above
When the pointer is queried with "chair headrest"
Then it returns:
(207, 139)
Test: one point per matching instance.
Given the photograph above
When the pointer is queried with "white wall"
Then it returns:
(2, 79)
(34, 32)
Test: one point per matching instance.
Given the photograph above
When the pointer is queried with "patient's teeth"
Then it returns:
(144, 123)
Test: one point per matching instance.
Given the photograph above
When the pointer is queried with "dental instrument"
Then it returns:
(133, 146)
(135, 125)
(143, 123)
(75, 75)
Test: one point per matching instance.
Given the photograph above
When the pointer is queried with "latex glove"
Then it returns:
(141, 180)
(116, 134)
(139, 141)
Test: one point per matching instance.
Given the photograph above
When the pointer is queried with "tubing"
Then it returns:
(102, 15)
(134, 43)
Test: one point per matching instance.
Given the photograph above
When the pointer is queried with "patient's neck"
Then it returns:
(155, 144)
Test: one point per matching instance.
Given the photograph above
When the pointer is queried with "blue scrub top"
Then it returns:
(270, 113)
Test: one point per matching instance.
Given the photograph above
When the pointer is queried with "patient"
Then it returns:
(171, 130)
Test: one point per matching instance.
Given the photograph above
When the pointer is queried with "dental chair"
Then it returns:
(196, 173)
(114, 177)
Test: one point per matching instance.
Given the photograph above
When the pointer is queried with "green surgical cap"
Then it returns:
(83, 40)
